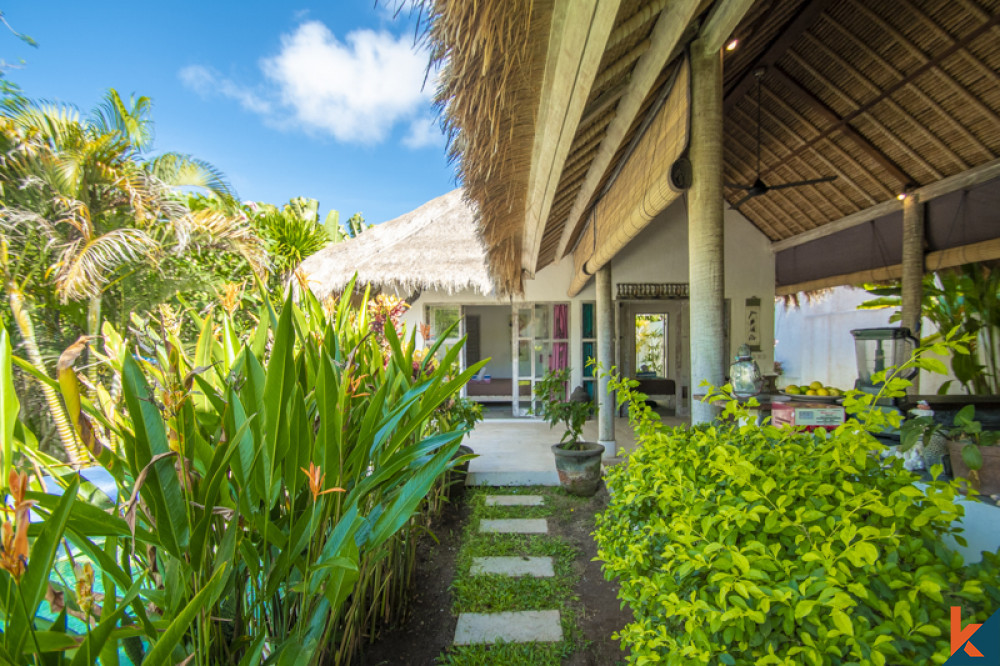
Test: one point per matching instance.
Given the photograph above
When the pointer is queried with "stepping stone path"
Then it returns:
(515, 526)
(539, 567)
(514, 500)
(512, 626)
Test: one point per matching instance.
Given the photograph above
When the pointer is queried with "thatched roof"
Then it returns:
(886, 95)
(435, 247)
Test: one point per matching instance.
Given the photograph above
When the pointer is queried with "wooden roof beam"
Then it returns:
(847, 130)
(891, 90)
(829, 85)
(954, 86)
(970, 178)
(664, 40)
(596, 108)
(806, 15)
(577, 41)
(819, 155)
(919, 55)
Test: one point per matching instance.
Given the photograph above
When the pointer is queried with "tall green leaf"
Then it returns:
(162, 489)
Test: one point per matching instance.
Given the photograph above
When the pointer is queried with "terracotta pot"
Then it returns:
(579, 471)
(989, 474)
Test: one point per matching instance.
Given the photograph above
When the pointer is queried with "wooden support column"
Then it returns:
(913, 268)
(605, 360)
(705, 227)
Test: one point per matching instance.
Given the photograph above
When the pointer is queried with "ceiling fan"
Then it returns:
(759, 187)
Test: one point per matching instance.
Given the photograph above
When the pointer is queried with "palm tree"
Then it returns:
(83, 209)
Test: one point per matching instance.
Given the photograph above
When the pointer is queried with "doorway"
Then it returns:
(654, 351)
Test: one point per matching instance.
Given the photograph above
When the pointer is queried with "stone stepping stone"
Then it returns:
(538, 567)
(514, 500)
(510, 627)
(514, 526)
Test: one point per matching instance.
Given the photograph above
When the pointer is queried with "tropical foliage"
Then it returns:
(83, 212)
(269, 490)
(553, 405)
(967, 298)
(745, 544)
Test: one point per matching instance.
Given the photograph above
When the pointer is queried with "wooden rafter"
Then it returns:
(860, 77)
(847, 130)
(954, 86)
(818, 154)
(932, 62)
(581, 30)
(622, 65)
(806, 15)
(872, 118)
(970, 178)
(936, 71)
(602, 104)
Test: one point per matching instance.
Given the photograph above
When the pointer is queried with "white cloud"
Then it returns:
(207, 82)
(356, 90)
(425, 132)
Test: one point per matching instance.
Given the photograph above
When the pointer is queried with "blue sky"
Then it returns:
(287, 100)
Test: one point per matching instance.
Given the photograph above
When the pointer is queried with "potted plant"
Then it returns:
(577, 462)
(974, 453)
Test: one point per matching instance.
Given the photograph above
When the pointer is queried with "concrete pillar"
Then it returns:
(605, 360)
(705, 228)
(913, 269)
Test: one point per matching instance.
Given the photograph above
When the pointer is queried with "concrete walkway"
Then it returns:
(518, 451)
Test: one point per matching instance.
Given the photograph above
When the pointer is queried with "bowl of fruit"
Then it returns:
(815, 391)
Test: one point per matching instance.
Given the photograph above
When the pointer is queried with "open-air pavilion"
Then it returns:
(577, 124)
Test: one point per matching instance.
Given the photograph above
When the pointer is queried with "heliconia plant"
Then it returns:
(269, 486)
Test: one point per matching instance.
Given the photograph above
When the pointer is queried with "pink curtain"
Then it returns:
(560, 325)
(560, 356)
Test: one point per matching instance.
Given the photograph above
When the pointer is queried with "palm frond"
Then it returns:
(210, 228)
(86, 265)
(179, 170)
(131, 122)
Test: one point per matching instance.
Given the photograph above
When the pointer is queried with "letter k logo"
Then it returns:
(961, 636)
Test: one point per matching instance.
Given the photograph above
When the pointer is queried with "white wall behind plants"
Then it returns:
(813, 341)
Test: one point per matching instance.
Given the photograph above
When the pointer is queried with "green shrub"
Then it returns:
(739, 544)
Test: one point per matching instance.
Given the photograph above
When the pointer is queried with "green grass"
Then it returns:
(493, 594)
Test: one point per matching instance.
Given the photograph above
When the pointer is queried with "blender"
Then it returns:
(881, 349)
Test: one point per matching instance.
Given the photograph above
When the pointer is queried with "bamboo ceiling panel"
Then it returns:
(882, 94)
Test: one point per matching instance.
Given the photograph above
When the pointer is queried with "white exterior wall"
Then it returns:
(814, 342)
(659, 254)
